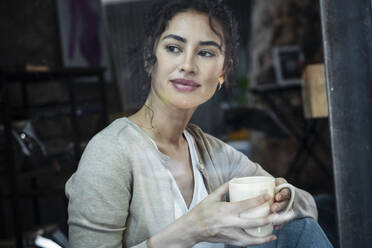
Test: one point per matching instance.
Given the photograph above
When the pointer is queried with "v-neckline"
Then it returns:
(193, 167)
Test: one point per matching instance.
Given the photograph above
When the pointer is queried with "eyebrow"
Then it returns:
(210, 43)
(201, 43)
(176, 37)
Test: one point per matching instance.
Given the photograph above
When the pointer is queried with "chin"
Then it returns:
(188, 103)
(183, 101)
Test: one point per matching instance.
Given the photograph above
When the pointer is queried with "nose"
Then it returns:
(188, 64)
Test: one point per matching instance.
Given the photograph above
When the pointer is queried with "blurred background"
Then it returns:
(70, 67)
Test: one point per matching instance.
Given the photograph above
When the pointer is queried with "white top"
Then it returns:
(200, 191)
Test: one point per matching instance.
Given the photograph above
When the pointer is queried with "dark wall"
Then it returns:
(29, 32)
(30, 35)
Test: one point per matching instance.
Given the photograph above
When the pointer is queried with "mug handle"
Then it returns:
(291, 188)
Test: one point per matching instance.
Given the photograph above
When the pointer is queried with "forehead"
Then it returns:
(193, 25)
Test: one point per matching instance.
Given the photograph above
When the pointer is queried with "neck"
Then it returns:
(162, 122)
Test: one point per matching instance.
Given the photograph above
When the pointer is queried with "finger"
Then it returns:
(280, 180)
(259, 240)
(278, 206)
(231, 236)
(221, 191)
(245, 222)
(280, 219)
(284, 194)
(275, 219)
(241, 206)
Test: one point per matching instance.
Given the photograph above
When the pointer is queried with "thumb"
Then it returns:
(221, 191)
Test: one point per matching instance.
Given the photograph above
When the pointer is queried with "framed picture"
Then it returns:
(82, 34)
(288, 61)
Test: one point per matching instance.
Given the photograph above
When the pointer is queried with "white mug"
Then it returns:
(249, 187)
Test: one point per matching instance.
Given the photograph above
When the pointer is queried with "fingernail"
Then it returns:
(267, 197)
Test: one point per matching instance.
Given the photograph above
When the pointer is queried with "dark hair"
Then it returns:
(163, 11)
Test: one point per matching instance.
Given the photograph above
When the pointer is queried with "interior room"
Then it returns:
(70, 68)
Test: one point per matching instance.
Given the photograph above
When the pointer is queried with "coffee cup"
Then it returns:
(249, 187)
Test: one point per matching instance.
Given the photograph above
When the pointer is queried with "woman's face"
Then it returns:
(190, 60)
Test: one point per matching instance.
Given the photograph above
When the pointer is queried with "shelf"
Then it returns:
(269, 88)
(72, 108)
(86, 106)
(14, 74)
(36, 193)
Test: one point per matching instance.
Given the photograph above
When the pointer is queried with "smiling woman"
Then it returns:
(153, 179)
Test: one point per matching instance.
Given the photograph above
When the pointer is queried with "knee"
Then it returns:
(304, 232)
(309, 225)
(307, 222)
(303, 225)
(299, 225)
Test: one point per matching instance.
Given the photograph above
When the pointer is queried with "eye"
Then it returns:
(205, 53)
(173, 49)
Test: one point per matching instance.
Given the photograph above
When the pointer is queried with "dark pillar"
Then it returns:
(347, 37)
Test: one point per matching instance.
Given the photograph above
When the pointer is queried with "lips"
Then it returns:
(184, 85)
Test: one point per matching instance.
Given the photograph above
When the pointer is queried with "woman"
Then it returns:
(153, 179)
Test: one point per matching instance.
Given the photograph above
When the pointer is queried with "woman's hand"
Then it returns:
(281, 199)
(216, 221)
(221, 222)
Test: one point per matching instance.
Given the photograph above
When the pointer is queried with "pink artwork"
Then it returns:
(83, 18)
(82, 34)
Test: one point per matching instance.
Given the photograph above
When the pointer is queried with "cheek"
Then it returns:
(159, 72)
(213, 72)
(164, 67)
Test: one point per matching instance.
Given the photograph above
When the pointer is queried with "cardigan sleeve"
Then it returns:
(99, 193)
(240, 165)
(231, 163)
